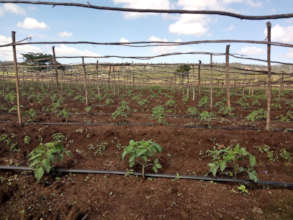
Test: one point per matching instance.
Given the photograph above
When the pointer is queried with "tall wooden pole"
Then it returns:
(228, 77)
(198, 77)
(269, 77)
(211, 83)
(55, 66)
(85, 82)
(17, 78)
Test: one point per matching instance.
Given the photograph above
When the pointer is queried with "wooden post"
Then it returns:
(109, 73)
(269, 82)
(17, 79)
(55, 66)
(198, 76)
(97, 70)
(193, 81)
(85, 82)
(281, 86)
(211, 83)
(228, 77)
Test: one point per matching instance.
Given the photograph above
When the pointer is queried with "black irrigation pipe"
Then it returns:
(166, 176)
(126, 123)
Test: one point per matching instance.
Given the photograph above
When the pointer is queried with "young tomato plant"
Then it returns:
(42, 158)
(122, 111)
(143, 153)
(158, 113)
(227, 161)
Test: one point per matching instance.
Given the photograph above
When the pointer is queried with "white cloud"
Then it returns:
(190, 25)
(64, 50)
(252, 51)
(198, 25)
(143, 4)
(32, 23)
(65, 34)
(123, 40)
(162, 49)
(11, 8)
(6, 52)
(281, 33)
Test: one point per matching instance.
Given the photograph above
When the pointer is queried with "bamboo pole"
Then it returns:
(85, 82)
(211, 83)
(269, 78)
(228, 77)
(55, 66)
(17, 79)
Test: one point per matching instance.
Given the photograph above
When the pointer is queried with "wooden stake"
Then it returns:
(85, 82)
(269, 80)
(228, 77)
(211, 83)
(55, 66)
(198, 83)
(17, 79)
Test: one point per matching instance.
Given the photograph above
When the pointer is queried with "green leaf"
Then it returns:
(223, 165)
(46, 165)
(252, 160)
(252, 175)
(39, 172)
(213, 168)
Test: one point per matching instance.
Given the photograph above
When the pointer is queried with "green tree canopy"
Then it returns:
(40, 61)
(183, 69)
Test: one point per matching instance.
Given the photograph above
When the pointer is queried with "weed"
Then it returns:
(270, 153)
(27, 140)
(242, 188)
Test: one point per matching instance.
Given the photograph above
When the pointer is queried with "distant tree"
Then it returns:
(40, 61)
(183, 71)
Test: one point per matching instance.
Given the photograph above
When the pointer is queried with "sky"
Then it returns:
(47, 23)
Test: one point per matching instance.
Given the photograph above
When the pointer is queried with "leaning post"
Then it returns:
(17, 78)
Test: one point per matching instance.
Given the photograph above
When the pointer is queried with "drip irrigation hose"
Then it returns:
(166, 176)
(151, 124)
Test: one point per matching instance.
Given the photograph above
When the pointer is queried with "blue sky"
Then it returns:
(45, 23)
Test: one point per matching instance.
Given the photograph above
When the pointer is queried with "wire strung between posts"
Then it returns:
(166, 176)
(167, 11)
